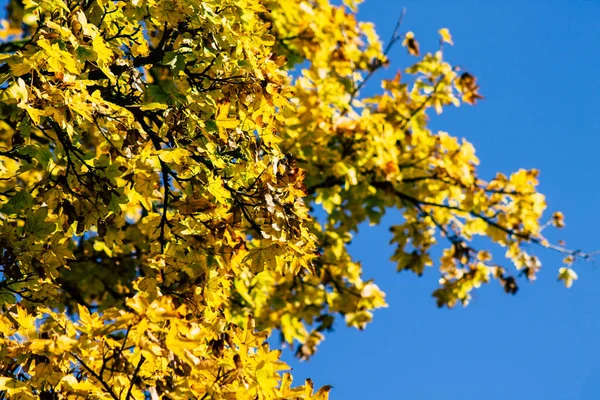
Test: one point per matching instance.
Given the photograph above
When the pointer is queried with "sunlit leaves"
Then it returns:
(158, 167)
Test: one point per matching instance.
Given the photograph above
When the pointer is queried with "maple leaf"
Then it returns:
(36, 225)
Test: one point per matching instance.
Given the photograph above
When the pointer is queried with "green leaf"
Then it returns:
(174, 60)
(20, 201)
(154, 106)
(211, 125)
(36, 224)
(39, 153)
(7, 297)
(154, 93)
(84, 53)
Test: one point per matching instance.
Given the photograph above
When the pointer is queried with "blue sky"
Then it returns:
(537, 63)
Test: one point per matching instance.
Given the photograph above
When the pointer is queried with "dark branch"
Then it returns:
(135, 374)
(96, 376)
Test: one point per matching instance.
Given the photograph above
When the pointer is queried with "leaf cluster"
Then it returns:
(159, 165)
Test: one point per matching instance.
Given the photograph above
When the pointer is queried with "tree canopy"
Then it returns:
(180, 179)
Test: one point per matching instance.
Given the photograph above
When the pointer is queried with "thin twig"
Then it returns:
(379, 63)
(98, 377)
(135, 374)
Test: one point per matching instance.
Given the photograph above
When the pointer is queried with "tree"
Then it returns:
(159, 167)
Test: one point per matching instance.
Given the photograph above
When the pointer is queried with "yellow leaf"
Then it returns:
(12, 386)
(18, 91)
(176, 156)
(223, 121)
(558, 219)
(411, 44)
(446, 37)
(216, 188)
(567, 275)
(26, 322)
(322, 393)
(104, 53)
(64, 32)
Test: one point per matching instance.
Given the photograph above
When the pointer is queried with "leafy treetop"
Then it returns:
(159, 161)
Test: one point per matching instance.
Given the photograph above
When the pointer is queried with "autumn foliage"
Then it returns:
(160, 167)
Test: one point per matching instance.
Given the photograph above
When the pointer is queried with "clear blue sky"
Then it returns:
(538, 63)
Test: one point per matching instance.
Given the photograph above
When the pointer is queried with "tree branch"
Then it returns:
(98, 377)
(135, 374)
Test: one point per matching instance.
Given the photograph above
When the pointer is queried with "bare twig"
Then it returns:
(396, 36)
